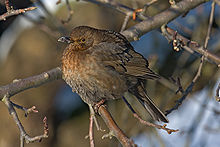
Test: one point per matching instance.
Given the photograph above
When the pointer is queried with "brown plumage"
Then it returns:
(102, 65)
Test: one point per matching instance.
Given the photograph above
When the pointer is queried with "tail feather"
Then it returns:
(149, 105)
(153, 110)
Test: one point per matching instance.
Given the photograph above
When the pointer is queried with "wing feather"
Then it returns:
(123, 60)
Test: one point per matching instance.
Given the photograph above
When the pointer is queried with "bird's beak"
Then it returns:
(65, 40)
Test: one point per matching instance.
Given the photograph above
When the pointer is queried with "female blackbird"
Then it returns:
(102, 65)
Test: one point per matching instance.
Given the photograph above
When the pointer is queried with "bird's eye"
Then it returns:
(83, 40)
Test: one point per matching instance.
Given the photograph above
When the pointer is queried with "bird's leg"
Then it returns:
(108, 135)
(92, 114)
(97, 105)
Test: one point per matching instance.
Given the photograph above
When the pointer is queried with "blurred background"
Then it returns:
(28, 46)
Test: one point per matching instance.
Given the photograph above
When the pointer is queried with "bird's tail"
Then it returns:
(148, 104)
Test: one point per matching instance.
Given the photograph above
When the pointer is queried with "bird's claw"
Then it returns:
(108, 135)
(97, 105)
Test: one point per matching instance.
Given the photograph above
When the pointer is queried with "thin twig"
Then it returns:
(188, 89)
(70, 13)
(26, 111)
(180, 100)
(125, 22)
(169, 131)
(217, 96)
(15, 12)
(91, 139)
(7, 5)
(150, 3)
(198, 74)
(210, 25)
(140, 11)
(91, 134)
(134, 15)
(23, 135)
(190, 46)
(11, 11)
(180, 89)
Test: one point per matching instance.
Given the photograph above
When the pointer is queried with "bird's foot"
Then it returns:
(108, 135)
(97, 105)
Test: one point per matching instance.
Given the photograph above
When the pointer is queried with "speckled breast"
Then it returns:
(91, 80)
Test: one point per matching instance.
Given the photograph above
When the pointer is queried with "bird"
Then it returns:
(101, 65)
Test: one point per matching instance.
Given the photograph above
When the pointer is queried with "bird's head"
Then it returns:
(81, 38)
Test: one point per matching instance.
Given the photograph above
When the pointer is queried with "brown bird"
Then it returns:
(102, 65)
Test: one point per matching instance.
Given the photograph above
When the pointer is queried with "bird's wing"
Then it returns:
(123, 59)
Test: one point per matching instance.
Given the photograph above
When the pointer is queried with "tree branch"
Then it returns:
(117, 132)
(70, 13)
(131, 34)
(11, 11)
(158, 20)
(198, 74)
(162, 18)
(190, 46)
(31, 82)
(23, 135)
(35, 81)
